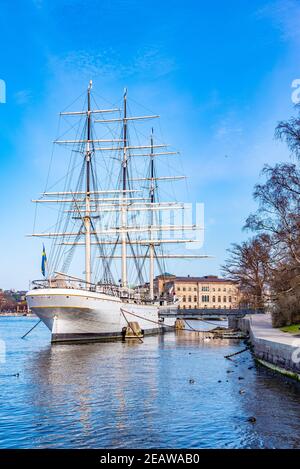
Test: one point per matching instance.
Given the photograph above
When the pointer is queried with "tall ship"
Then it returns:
(111, 228)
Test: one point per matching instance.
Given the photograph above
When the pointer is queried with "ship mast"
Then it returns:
(124, 186)
(87, 217)
(88, 199)
(151, 245)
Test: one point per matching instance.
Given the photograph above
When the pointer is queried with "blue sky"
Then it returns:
(219, 74)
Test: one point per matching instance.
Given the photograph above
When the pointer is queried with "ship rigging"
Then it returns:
(110, 205)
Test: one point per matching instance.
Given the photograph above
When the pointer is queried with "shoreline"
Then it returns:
(16, 315)
(272, 348)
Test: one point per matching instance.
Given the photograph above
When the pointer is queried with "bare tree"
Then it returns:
(278, 211)
(278, 216)
(248, 264)
(268, 265)
(289, 131)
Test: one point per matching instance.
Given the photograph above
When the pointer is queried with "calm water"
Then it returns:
(139, 395)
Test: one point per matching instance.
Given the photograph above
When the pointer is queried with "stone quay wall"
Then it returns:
(271, 347)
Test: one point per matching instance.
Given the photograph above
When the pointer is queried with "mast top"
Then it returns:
(90, 84)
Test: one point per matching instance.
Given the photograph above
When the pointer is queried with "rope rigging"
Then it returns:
(69, 223)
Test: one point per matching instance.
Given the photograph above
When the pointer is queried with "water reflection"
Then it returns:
(96, 382)
(202, 339)
(175, 390)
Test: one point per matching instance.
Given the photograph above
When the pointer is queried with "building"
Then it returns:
(159, 283)
(209, 291)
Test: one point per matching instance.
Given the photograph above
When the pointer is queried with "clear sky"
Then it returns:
(219, 73)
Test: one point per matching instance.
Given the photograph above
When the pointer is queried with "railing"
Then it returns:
(239, 312)
(113, 290)
(73, 284)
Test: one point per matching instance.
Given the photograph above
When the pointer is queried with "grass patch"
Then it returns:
(293, 329)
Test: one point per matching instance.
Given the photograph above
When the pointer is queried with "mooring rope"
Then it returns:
(146, 319)
(208, 322)
(23, 337)
(198, 330)
(129, 325)
(165, 325)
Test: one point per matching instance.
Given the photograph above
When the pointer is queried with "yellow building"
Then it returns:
(209, 291)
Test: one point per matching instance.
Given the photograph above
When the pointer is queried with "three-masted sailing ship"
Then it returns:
(110, 208)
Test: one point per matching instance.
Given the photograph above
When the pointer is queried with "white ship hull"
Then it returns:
(79, 315)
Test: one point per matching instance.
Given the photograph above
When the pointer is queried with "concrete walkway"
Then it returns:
(261, 325)
(272, 347)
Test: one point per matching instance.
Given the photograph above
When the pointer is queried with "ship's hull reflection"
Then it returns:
(103, 382)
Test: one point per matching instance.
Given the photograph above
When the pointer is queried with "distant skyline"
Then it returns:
(219, 74)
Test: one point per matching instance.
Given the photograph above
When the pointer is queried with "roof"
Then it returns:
(204, 279)
(165, 274)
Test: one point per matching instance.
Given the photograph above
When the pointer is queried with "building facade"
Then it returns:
(160, 282)
(209, 291)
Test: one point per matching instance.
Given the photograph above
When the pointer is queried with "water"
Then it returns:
(137, 395)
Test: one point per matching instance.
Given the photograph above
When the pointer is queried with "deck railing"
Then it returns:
(71, 283)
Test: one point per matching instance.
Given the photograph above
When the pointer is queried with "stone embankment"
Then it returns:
(273, 348)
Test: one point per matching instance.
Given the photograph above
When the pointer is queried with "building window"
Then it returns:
(183, 289)
(195, 298)
(213, 289)
(205, 298)
(184, 299)
(224, 299)
(178, 288)
(195, 288)
(224, 306)
(205, 288)
(190, 298)
(214, 299)
(219, 289)
(190, 289)
(224, 289)
(229, 299)
(219, 299)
